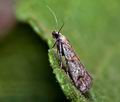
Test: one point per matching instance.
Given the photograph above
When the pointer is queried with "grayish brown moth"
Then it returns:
(74, 68)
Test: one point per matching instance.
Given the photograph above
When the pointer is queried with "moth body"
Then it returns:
(75, 69)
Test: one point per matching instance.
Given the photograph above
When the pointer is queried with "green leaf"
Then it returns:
(66, 84)
(92, 28)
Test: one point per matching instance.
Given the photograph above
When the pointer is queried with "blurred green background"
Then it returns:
(93, 29)
(25, 74)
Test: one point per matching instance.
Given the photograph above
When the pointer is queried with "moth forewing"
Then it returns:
(76, 70)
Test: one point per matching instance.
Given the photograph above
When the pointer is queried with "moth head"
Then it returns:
(55, 34)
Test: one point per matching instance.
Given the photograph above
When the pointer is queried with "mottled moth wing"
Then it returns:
(76, 70)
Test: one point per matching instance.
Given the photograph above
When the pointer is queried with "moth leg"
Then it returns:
(60, 54)
(54, 44)
(66, 69)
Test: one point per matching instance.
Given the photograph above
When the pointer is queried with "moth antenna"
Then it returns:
(61, 28)
(53, 13)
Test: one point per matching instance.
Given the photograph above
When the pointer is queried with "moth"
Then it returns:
(75, 69)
